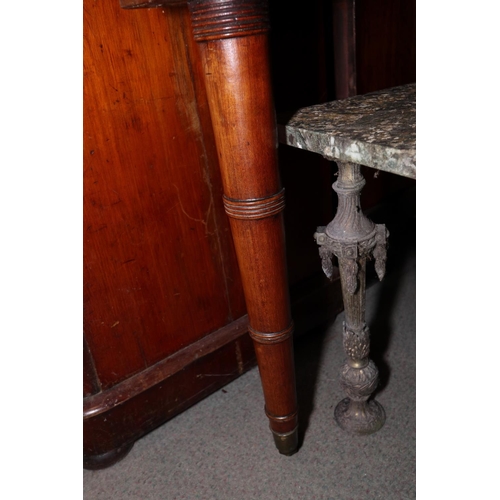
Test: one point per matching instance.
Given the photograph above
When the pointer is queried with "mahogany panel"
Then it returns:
(155, 273)
(344, 48)
(385, 44)
(385, 57)
(176, 18)
(143, 4)
(300, 54)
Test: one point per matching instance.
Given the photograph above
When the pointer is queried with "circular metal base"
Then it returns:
(286, 443)
(359, 418)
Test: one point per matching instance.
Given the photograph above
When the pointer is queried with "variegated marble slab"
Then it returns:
(377, 130)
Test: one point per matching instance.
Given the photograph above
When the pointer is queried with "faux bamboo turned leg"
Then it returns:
(232, 37)
(353, 239)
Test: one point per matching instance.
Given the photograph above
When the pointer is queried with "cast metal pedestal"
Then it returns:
(377, 130)
(354, 239)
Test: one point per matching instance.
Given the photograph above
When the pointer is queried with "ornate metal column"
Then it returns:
(354, 239)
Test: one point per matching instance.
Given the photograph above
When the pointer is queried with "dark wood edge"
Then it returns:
(131, 387)
(105, 434)
(107, 459)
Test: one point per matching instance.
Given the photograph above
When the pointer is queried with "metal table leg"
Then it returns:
(354, 239)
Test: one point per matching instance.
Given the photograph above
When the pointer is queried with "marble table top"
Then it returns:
(377, 130)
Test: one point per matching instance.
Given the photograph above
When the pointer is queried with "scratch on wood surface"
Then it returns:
(90, 229)
(172, 207)
(114, 324)
(203, 221)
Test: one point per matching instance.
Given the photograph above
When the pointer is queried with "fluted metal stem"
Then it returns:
(353, 239)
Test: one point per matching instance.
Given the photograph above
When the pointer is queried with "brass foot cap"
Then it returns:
(287, 442)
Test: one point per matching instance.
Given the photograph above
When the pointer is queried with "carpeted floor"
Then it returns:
(221, 448)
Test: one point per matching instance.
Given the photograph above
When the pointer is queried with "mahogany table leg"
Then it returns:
(353, 239)
(232, 36)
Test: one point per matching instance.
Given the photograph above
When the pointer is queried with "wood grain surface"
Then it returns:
(159, 270)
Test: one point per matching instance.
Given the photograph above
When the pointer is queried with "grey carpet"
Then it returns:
(221, 448)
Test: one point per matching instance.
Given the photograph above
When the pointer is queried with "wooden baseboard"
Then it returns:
(114, 419)
(166, 368)
(122, 414)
